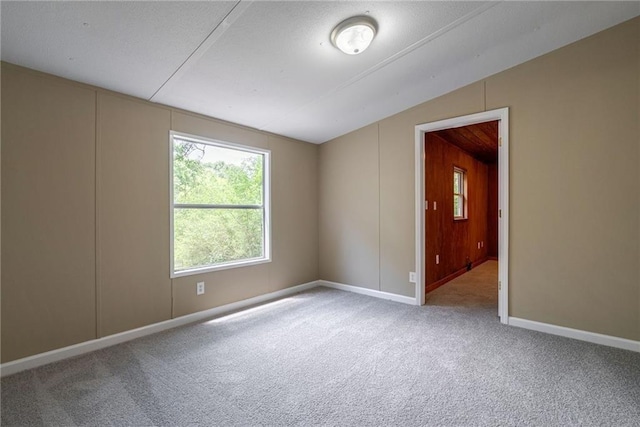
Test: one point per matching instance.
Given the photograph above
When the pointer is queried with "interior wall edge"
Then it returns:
(368, 292)
(348, 209)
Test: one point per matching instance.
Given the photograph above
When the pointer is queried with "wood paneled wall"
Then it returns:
(454, 241)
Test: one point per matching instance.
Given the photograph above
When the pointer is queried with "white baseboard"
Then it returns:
(41, 359)
(576, 334)
(369, 292)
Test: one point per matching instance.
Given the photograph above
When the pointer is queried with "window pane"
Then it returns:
(456, 182)
(457, 206)
(204, 237)
(207, 174)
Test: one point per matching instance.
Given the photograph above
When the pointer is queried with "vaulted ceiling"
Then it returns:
(271, 66)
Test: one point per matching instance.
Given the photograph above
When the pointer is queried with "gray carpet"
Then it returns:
(327, 357)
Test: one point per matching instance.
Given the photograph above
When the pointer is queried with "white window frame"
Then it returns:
(463, 193)
(266, 205)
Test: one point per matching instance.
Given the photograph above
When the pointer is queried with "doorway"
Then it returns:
(441, 129)
(461, 201)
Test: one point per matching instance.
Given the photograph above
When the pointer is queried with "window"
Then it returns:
(459, 193)
(219, 205)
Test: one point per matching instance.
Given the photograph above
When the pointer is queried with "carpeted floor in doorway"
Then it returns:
(327, 357)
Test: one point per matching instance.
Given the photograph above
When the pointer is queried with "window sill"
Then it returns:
(460, 219)
(210, 269)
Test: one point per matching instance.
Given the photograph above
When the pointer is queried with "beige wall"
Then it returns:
(349, 209)
(294, 216)
(85, 201)
(48, 214)
(574, 183)
(367, 202)
(85, 214)
(134, 288)
(574, 186)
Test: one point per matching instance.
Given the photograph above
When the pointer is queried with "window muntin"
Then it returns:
(459, 193)
(220, 205)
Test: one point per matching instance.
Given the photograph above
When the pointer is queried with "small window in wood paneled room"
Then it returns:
(459, 193)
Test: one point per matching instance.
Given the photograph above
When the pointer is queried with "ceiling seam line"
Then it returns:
(442, 31)
(191, 56)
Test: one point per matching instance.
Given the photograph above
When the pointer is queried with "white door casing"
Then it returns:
(502, 115)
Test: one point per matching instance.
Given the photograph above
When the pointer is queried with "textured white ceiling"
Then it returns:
(129, 47)
(270, 65)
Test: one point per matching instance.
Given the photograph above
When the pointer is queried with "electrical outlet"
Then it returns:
(200, 288)
(478, 245)
(437, 259)
(412, 277)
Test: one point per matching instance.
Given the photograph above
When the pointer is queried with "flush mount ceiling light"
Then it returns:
(354, 35)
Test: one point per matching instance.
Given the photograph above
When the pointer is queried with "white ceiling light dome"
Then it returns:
(354, 35)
